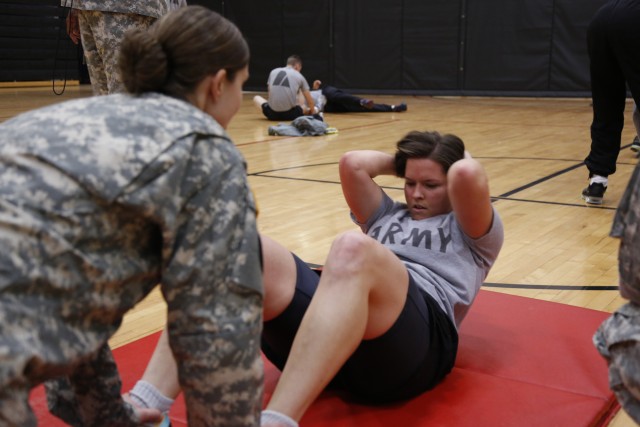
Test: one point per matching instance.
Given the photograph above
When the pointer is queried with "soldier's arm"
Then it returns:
(213, 290)
(91, 395)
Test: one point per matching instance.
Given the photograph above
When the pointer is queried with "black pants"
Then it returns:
(339, 101)
(288, 115)
(613, 41)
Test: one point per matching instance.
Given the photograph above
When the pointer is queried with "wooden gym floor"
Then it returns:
(556, 248)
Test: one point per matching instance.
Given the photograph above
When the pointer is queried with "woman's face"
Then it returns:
(228, 104)
(425, 189)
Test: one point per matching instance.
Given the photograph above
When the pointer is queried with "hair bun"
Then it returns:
(143, 62)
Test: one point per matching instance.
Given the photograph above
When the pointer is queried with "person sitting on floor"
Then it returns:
(381, 320)
(285, 85)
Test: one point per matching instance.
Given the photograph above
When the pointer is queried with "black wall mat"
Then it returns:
(432, 42)
(507, 45)
(569, 66)
(528, 46)
(34, 45)
(457, 47)
(276, 29)
(368, 44)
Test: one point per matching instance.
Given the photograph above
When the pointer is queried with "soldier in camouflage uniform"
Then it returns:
(618, 338)
(101, 25)
(103, 198)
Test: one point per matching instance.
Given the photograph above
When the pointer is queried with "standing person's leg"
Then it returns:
(88, 21)
(635, 145)
(626, 45)
(108, 38)
(361, 293)
(609, 96)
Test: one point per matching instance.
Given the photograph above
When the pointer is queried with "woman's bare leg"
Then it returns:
(161, 371)
(361, 293)
(279, 277)
(258, 101)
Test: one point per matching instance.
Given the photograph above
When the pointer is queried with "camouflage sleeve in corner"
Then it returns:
(91, 396)
(626, 226)
(153, 8)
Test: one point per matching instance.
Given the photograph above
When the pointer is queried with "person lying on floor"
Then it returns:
(381, 321)
(330, 99)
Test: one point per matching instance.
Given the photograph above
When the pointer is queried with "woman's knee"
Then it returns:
(355, 254)
(352, 250)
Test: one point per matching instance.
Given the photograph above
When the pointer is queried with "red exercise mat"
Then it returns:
(522, 362)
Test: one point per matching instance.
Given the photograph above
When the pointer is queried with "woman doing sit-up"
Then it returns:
(381, 321)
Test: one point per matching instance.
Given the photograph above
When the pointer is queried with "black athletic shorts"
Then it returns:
(288, 115)
(410, 358)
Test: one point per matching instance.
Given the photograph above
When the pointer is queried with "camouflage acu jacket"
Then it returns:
(153, 8)
(626, 226)
(101, 199)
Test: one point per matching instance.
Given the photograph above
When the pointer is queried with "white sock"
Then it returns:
(147, 395)
(597, 179)
(274, 418)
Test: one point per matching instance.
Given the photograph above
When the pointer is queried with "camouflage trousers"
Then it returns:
(618, 341)
(101, 34)
(618, 338)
